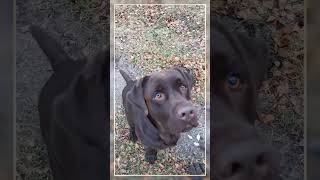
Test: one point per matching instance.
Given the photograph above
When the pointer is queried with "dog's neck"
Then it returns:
(153, 122)
(151, 119)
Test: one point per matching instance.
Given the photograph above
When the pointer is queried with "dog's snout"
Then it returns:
(186, 113)
(249, 162)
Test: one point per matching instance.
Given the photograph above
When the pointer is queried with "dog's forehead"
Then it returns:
(165, 75)
(227, 58)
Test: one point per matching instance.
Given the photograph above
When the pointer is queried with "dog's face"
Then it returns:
(161, 101)
(238, 67)
(234, 82)
(167, 97)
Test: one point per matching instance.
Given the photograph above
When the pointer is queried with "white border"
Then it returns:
(205, 90)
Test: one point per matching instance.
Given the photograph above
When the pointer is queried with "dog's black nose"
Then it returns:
(243, 161)
(186, 113)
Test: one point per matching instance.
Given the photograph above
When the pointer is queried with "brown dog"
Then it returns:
(73, 112)
(158, 108)
(72, 108)
(239, 66)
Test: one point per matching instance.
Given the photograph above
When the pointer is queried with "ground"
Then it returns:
(83, 25)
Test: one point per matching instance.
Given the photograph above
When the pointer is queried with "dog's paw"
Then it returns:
(133, 137)
(151, 158)
(196, 169)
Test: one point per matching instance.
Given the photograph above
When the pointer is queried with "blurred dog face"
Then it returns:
(239, 66)
(167, 97)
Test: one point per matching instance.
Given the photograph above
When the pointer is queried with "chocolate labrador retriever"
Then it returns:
(239, 66)
(158, 108)
(73, 112)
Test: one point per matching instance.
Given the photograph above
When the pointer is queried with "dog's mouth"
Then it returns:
(187, 128)
(194, 123)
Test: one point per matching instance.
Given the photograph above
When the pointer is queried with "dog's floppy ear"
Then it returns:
(50, 46)
(93, 78)
(96, 67)
(144, 128)
(135, 95)
(187, 74)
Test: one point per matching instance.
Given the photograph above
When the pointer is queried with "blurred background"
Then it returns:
(6, 89)
(313, 89)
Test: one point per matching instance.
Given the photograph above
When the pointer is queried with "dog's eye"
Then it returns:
(233, 81)
(183, 87)
(158, 96)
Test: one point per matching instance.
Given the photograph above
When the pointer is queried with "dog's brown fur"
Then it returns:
(73, 112)
(157, 122)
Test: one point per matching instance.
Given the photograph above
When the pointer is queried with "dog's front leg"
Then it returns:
(151, 155)
(133, 137)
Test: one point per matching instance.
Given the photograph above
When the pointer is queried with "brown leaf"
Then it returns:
(283, 52)
(285, 40)
(287, 30)
(268, 4)
(282, 3)
(276, 39)
(247, 14)
(267, 119)
(297, 105)
(283, 88)
(177, 166)
(271, 19)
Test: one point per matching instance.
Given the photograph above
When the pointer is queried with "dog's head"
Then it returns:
(165, 99)
(239, 65)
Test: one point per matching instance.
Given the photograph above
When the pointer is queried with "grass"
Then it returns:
(168, 42)
(91, 12)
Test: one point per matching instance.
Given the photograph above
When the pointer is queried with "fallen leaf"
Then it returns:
(297, 105)
(190, 137)
(196, 144)
(282, 3)
(271, 19)
(283, 88)
(285, 40)
(283, 52)
(287, 30)
(269, 118)
(248, 14)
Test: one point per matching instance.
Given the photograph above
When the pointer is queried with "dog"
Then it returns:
(158, 108)
(73, 111)
(73, 108)
(239, 66)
